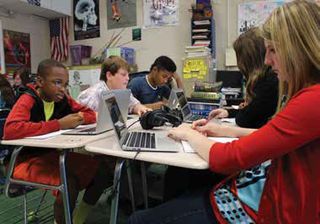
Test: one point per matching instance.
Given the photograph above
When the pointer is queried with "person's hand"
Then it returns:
(243, 105)
(140, 109)
(71, 121)
(181, 132)
(209, 128)
(218, 113)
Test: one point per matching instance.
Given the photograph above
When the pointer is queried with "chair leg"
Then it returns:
(25, 208)
(40, 202)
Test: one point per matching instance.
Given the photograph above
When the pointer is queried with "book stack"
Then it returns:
(231, 93)
(197, 51)
(206, 90)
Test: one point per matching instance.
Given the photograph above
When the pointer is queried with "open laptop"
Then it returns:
(138, 140)
(177, 99)
(103, 121)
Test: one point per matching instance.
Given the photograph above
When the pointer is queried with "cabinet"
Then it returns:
(203, 27)
(45, 8)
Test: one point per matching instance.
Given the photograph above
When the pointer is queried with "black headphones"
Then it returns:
(158, 118)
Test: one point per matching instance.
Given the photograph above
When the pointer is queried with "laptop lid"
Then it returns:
(115, 114)
(122, 97)
(103, 123)
(162, 142)
(183, 104)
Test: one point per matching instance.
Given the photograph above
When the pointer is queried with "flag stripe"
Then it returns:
(59, 43)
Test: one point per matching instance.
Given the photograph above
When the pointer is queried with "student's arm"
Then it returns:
(157, 105)
(18, 124)
(90, 98)
(291, 129)
(88, 114)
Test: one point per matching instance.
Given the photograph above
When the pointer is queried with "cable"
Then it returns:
(137, 153)
(133, 123)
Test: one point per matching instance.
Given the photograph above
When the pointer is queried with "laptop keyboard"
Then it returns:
(195, 117)
(140, 140)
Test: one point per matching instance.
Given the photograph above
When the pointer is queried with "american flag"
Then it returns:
(59, 34)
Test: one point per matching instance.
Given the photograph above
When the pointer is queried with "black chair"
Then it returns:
(137, 74)
(13, 190)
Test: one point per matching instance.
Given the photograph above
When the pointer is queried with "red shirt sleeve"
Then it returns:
(88, 114)
(296, 125)
(18, 124)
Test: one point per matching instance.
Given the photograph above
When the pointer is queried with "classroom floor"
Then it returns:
(11, 209)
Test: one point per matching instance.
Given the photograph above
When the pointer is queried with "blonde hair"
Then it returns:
(294, 31)
(112, 64)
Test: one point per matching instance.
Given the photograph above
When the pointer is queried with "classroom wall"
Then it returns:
(38, 28)
(170, 40)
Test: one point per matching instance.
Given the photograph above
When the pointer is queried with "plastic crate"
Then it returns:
(79, 52)
(125, 52)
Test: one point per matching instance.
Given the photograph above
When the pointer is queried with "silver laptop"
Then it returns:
(103, 121)
(177, 99)
(138, 140)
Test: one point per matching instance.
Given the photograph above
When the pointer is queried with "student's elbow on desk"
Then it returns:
(17, 130)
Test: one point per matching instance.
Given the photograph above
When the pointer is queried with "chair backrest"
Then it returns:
(137, 74)
(4, 150)
(4, 112)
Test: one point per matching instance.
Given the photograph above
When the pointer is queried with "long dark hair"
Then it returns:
(250, 52)
(7, 94)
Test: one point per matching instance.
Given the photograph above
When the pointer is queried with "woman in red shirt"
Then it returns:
(274, 170)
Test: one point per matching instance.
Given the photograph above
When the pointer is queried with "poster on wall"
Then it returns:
(86, 19)
(121, 13)
(16, 50)
(35, 2)
(160, 13)
(252, 14)
(2, 65)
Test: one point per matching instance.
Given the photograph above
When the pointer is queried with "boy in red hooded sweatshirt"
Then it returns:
(44, 108)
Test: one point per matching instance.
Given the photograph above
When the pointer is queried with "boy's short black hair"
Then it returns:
(47, 64)
(164, 63)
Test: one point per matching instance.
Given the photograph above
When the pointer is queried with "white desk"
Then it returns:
(62, 142)
(110, 146)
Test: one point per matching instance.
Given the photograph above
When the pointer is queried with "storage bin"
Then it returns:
(79, 52)
(125, 52)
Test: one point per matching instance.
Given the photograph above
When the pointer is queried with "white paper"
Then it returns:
(188, 149)
(56, 133)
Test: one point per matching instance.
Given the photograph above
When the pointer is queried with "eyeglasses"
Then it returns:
(59, 84)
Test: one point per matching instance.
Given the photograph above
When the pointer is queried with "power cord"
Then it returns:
(133, 123)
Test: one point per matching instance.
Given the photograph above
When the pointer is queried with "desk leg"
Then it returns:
(144, 184)
(130, 183)
(64, 187)
(116, 190)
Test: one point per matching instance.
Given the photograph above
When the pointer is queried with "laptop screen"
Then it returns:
(116, 117)
(185, 108)
(182, 99)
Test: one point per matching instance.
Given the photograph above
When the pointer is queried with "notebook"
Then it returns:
(177, 99)
(103, 121)
(138, 140)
